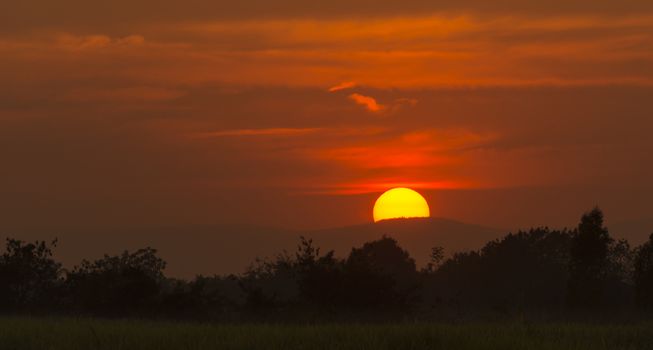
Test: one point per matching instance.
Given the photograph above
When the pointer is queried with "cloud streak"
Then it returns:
(412, 149)
(382, 185)
(89, 42)
(343, 86)
(366, 101)
(258, 132)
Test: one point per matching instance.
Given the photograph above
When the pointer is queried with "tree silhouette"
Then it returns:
(380, 273)
(202, 298)
(589, 261)
(320, 276)
(305, 277)
(527, 268)
(643, 274)
(534, 270)
(436, 259)
(29, 277)
(117, 285)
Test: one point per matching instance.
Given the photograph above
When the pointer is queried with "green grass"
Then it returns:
(72, 334)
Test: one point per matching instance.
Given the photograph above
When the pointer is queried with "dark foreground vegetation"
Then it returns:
(536, 274)
(85, 334)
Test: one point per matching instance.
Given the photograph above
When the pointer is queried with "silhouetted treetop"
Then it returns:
(643, 273)
(383, 256)
(523, 268)
(593, 256)
(29, 276)
(119, 284)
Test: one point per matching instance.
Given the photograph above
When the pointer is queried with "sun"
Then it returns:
(400, 202)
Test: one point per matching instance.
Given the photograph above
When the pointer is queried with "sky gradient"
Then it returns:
(278, 113)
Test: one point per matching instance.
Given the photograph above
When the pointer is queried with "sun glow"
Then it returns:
(400, 202)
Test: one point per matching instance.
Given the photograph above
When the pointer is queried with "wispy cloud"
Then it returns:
(87, 42)
(385, 184)
(413, 52)
(368, 102)
(415, 149)
(137, 93)
(258, 132)
(343, 86)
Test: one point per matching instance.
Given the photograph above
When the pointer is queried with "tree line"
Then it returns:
(580, 269)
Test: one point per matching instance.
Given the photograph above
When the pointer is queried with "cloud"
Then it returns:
(383, 184)
(259, 132)
(88, 42)
(343, 86)
(410, 52)
(409, 149)
(368, 102)
(332, 132)
(135, 93)
(372, 105)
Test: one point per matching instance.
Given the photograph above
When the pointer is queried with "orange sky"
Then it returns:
(279, 113)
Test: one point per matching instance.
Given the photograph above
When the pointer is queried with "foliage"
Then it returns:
(538, 269)
(29, 277)
(201, 298)
(380, 273)
(116, 285)
(643, 274)
(319, 276)
(598, 265)
(502, 274)
(436, 259)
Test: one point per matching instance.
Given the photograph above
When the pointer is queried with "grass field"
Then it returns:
(72, 334)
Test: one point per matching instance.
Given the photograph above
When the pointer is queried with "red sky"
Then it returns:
(153, 113)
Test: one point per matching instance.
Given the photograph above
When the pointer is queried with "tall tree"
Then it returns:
(319, 275)
(589, 261)
(643, 274)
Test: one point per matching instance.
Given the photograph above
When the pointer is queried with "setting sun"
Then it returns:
(400, 202)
